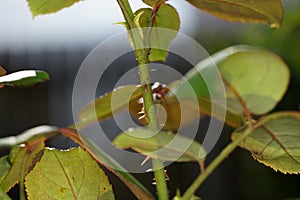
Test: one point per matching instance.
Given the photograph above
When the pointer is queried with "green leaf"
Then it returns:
(257, 79)
(257, 11)
(152, 2)
(24, 78)
(162, 145)
(193, 82)
(163, 30)
(276, 141)
(22, 157)
(132, 183)
(163, 39)
(108, 162)
(104, 107)
(39, 133)
(71, 174)
(249, 74)
(39, 7)
(3, 195)
(4, 166)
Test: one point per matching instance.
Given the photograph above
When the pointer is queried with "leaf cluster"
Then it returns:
(248, 74)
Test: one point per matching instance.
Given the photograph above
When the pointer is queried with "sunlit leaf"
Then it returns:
(106, 105)
(39, 7)
(249, 74)
(162, 145)
(23, 157)
(276, 142)
(71, 174)
(258, 78)
(108, 162)
(193, 82)
(24, 78)
(257, 11)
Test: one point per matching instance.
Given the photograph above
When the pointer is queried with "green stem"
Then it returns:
(141, 55)
(215, 163)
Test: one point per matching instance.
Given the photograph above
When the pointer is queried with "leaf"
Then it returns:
(71, 174)
(196, 81)
(179, 113)
(249, 74)
(3, 195)
(257, 79)
(104, 107)
(276, 142)
(257, 11)
(39, 7)
(152, 2)
(163, 32)
(108, 162)
(24, 78)
(39, 133)
(161, 145)
(22, 157)
(2, 71)
(4, 166)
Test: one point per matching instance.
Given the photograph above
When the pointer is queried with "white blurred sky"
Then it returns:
(85, 23)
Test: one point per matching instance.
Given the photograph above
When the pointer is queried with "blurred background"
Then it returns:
(58, 43)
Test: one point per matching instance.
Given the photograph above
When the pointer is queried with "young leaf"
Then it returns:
(162, 145)
(24, 78)
(177, 117)
(257, 11)
(276, 142)
(71, 174)
(39, 7)
(164, 30)
(152, 2)
(23, 157)
(2, 71)
(108, 162)
(250, 77)
(161, 40)
(102, 108)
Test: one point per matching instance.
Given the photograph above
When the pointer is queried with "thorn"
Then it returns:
(167, 178)
(141, 112)
(146, 159)
(149, 170)
(141, 117)
(161, 125)
(154, 181)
